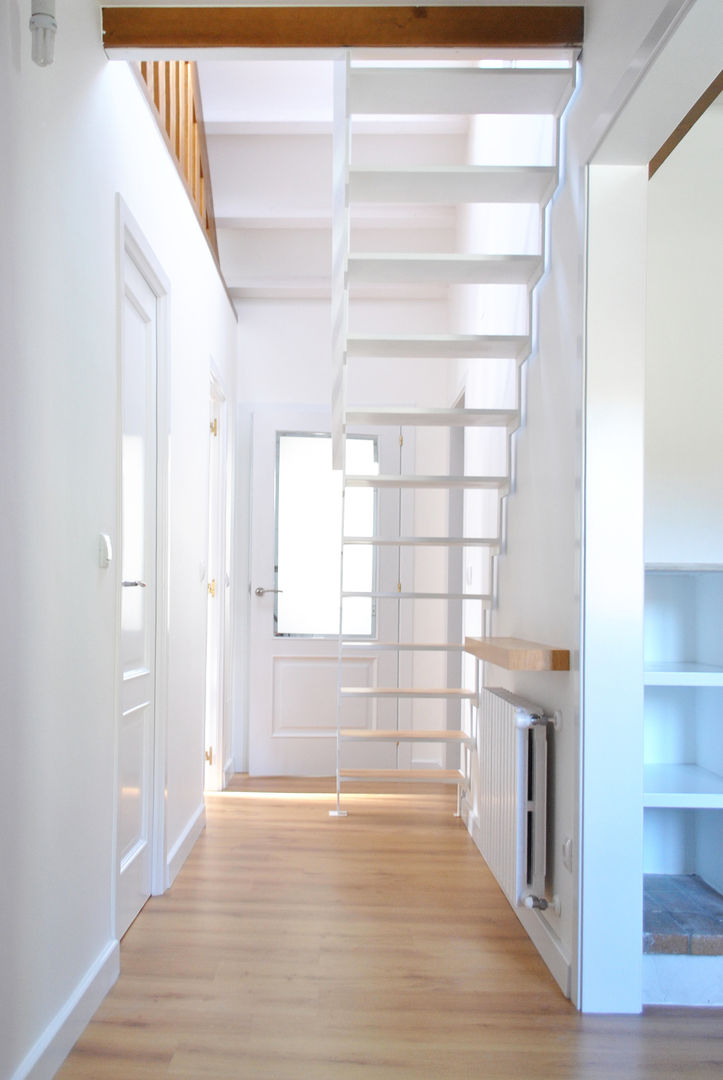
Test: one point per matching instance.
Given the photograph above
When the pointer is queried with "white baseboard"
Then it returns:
(51, 1049)
(228, 772)
(182, 847)
(541, 934)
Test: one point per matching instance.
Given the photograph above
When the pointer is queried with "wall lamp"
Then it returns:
(43, 27)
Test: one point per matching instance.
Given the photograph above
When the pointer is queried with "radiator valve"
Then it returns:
(538, 902)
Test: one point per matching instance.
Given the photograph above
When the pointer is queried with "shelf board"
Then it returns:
(364, 735)
(684, 786)
(516, 654)
(407, 776)
(684, 568)
(452, 694)
(682, 674)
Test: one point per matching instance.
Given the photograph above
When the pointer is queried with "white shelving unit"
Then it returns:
(683, 684)
(683, 733)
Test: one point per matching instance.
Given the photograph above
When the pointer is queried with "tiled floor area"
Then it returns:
(681, 915)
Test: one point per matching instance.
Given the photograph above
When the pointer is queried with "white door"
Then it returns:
(137, 646)
(295, 549)
(217, 593)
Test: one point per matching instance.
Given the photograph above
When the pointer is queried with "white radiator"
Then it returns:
(513, 794)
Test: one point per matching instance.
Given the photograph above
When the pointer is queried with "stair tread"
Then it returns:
(441, 91)
(452, 268)
(424, 541)
(461, 346)
(418, 481)
(404, 735)
(440, 776)
(408, 691)
(412, 414)
(417, 595)
(411, 646)
(453, 183)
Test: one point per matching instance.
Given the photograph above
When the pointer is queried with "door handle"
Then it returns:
(133, 584)
(259, 590)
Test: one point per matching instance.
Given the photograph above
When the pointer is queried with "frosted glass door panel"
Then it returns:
(308, 537)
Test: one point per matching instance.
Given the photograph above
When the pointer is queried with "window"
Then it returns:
(308, 537)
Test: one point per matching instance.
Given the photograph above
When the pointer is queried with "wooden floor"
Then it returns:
(295, 946)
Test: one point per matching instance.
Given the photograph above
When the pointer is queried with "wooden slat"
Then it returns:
(173, 110)
(515, 654)
(703, 103)
(481, 26)
(207, 212)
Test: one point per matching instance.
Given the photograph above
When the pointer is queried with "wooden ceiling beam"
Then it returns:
(481, 26)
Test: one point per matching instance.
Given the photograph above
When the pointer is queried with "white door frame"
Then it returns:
(131, 243)
(216, 645)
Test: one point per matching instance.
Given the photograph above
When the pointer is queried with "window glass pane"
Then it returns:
(308, 537)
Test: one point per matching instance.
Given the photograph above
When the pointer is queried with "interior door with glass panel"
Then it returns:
(295, 589)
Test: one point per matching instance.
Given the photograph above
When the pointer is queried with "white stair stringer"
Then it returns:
(374, 191)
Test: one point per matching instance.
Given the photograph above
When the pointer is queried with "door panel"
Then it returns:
(293, 679)
(138, 595)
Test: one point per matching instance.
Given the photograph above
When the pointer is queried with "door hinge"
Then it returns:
(214, 427)
(209, 755)
(401, 440)
(212, 587)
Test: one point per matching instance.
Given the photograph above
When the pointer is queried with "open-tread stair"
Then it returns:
(414, 96)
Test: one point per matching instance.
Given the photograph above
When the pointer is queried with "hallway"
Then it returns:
(294, 945)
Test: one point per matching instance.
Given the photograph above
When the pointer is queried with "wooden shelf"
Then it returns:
(516, 654)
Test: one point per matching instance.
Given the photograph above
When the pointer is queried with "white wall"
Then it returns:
(684, 381)
(79, 133)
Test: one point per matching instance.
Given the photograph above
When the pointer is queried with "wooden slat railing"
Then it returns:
(172, 88)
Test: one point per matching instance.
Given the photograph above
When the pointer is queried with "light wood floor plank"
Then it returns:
(294, 946)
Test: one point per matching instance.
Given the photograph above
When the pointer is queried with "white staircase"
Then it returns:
(428, 707)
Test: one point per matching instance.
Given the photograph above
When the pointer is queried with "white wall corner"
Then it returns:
(51, 1049)
(183, 845)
